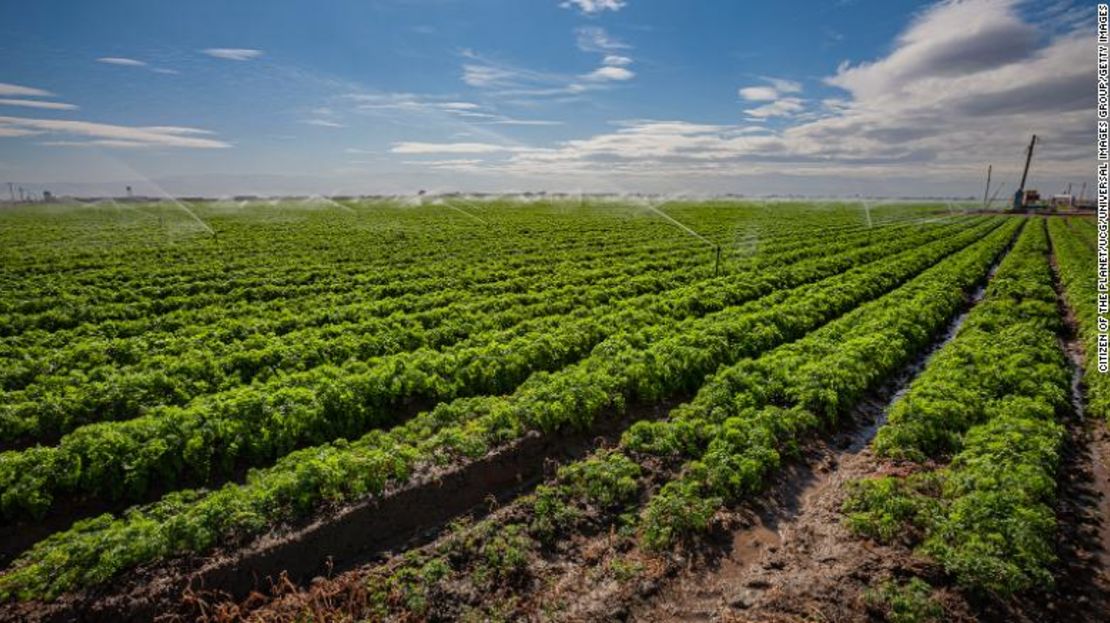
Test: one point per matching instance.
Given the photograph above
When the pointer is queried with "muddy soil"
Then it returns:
(795, 560)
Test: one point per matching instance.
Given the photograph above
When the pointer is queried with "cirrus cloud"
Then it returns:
(107, 134)
(22, 91)
(414, 148)
(122, 61)
(610, 72)
(593, 7)
(233, 54)
(37, 104)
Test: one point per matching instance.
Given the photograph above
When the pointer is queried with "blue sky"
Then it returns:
(387, 96)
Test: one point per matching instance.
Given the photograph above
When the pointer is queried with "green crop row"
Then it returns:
(643, 365)
(988, 401)
(738, 426)
(255, 424)
(611, 490)
(1076, 262)
(57, 404)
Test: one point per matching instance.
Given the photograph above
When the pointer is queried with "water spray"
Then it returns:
(458, 209)
(996, 191)
(683, 227)
(867, 210)
(331, 202)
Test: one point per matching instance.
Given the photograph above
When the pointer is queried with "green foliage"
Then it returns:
(886, 508)
(680, 510)
(748, 415)
(504, 556)
(1073, 243)
(989, 400)
(630, 337)
(909, 602)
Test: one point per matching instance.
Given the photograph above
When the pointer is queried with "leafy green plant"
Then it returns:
(909, 602)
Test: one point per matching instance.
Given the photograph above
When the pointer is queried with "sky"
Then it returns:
(835, 97)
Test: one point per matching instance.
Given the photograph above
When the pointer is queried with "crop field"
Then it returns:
(549, 409)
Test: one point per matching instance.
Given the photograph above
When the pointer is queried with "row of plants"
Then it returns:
(746, 417)
(254, 424)
(646, 494)
(75, 306)
(643, 365)
(985, 407)
(230, 322)
(1076, 262)
(58, 402)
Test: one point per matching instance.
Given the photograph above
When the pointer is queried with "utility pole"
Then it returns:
(988, 188)
(11, 191)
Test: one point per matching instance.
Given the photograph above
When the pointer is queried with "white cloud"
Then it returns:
(22, 91)
(513, 121)
(9, 132)
(597, 39)
(233, 54)
(119, 60)
(508, 80)
(616, 60)
(763, 93)
(149, 136)
(324, 123)
(592, 7)
(423, 148)
(759, 94)
(785, 86)
(486, 75)
(459, 106)
(104, 142)
(37, 104)
(948, 40)
(779, 108)
(453, 163)
(401, 104)
(609, 72)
